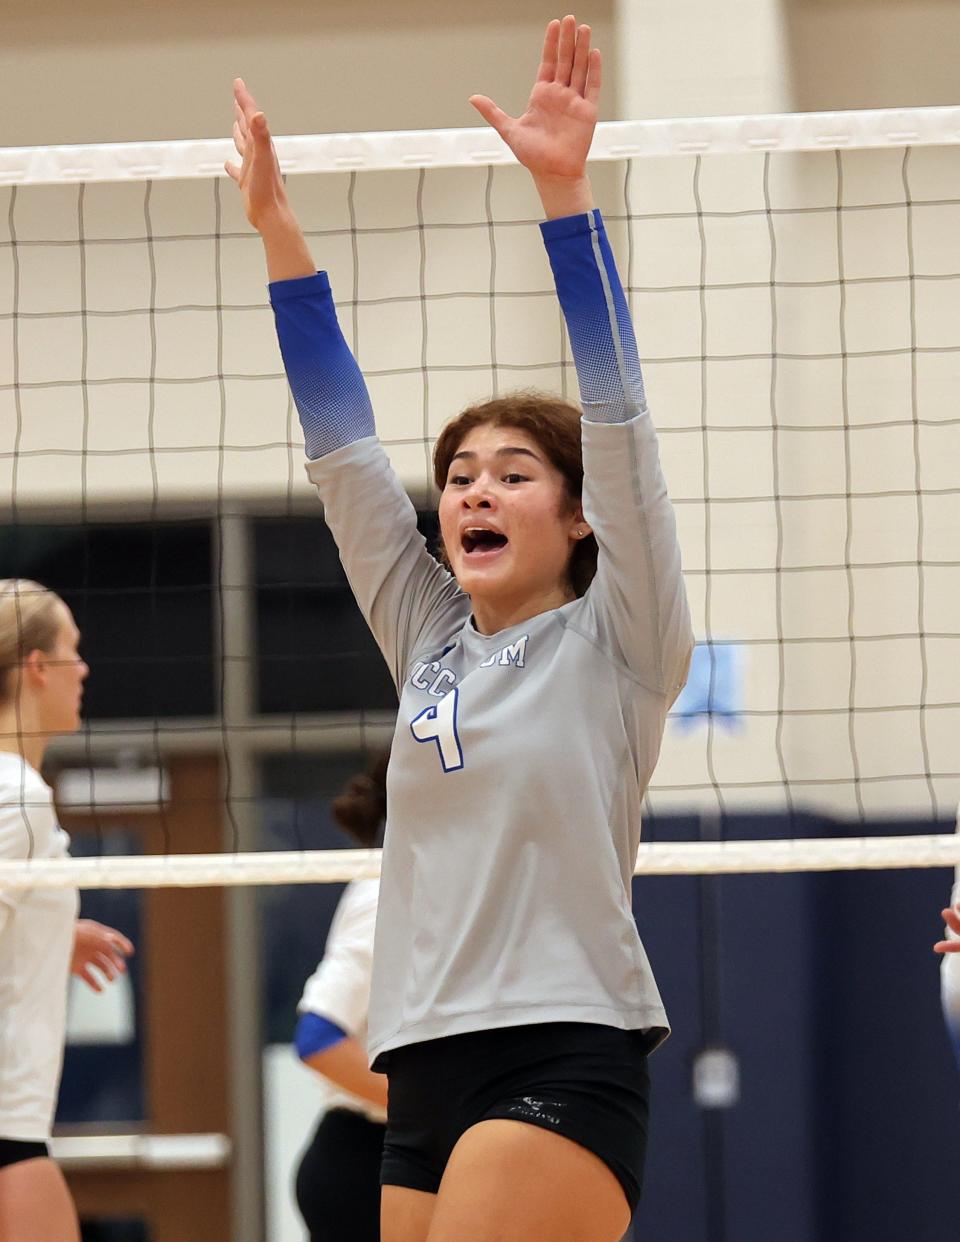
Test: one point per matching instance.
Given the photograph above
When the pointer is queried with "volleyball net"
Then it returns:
(795, 284)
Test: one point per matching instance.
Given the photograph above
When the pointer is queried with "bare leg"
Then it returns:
(507, 1181)
(405, 1214)
(35, 1204)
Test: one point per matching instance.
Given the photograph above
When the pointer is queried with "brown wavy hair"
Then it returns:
(361, 806)
(554, 425)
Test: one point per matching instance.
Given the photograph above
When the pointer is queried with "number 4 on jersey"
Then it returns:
(439, 724)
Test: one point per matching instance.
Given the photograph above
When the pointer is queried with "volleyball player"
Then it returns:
(41, 940)
(338, 1180)
(512, 1004)
(950, 967)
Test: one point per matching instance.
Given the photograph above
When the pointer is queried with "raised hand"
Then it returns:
(553, 135)
(258, 175)
(952, 919)
(260, 181)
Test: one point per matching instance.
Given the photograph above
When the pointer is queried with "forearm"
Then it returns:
(327, 386)
(564, 196)
(597, 316)
(329, 391)
(287, 253)
(638, 593)
(345, 1064)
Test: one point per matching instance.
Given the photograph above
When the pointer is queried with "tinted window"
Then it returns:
(315, 651)
(143, 599)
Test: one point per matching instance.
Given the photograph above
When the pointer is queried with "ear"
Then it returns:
(580, 528)
(35, 670)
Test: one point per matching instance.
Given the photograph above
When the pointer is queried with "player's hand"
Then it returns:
(95, 944)
(258, 175)
(553, 135)
(952, 919)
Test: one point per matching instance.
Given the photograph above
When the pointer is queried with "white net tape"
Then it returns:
(340, 866)
(451, 148)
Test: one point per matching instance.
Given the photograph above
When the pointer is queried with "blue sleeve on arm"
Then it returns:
(316, 1034)
(331, 396)
(598, 318)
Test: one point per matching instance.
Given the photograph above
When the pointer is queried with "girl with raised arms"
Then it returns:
(512, 1005)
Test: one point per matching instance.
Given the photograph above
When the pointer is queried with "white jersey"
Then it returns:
(339, 989)
(950, 968)
(37, 930)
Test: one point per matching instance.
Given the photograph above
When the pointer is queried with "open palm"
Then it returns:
(553, 135)
(258, 176)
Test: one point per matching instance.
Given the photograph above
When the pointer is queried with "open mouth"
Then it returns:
(480, 541)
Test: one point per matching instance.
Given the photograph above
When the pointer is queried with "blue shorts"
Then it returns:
(585, 1081)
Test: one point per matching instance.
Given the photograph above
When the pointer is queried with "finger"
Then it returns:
(91, 980)
(500, 120)
(239, 141)
(232, 171)
(109, 938)
(565, 50)
(947, 946)
(125, 946)
(581, 59)
(548, 58)
(594, 77)
(951, 917)
(247, 103)
(106, 966)
(259, 129)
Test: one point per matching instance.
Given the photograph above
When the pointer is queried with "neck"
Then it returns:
(490, 616)
(20, 734)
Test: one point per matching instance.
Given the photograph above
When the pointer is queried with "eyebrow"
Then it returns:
(508, 451)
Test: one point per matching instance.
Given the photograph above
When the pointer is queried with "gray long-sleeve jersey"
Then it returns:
(520, 759)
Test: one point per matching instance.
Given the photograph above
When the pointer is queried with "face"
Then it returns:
(506, 520)
(64, 674)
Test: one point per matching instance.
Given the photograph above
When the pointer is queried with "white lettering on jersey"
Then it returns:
(513, 654)
(438, 723)
(442, 678)
(433, 678)
(418, 670)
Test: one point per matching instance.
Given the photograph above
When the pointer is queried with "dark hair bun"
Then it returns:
(361, 806)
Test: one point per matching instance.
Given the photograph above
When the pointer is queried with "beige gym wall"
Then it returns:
(872, 53)
(114, 71)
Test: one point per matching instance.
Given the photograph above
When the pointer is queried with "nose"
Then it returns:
(84, 670)
(478, 495)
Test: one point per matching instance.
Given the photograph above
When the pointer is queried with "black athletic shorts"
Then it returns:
(12, 1151)
(584, 1081)
(338, 1180)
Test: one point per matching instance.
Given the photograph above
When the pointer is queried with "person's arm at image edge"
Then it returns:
(951, 916)
(339, 1057)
